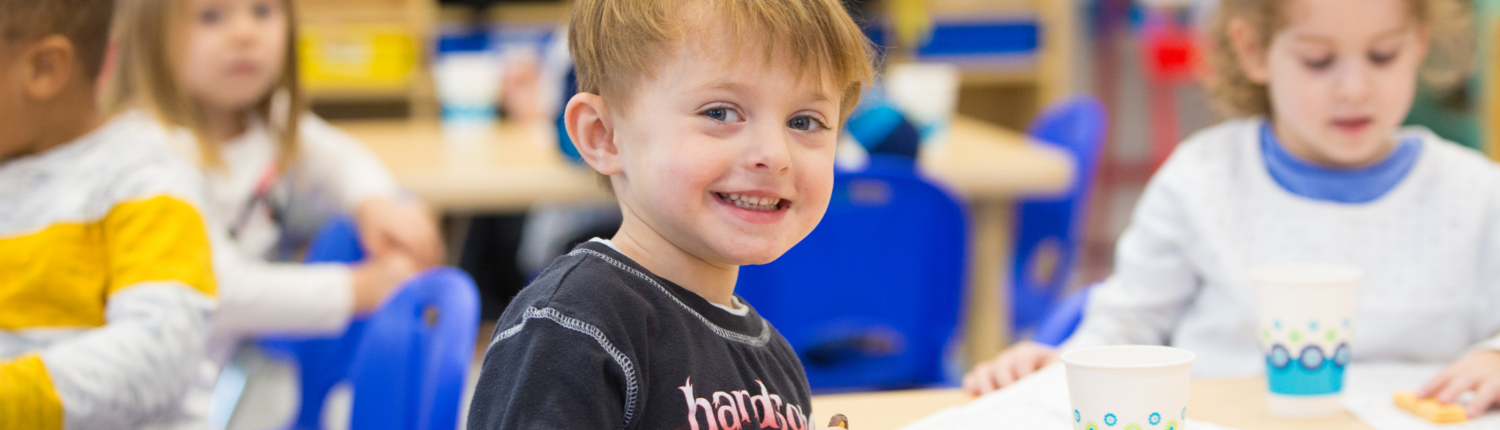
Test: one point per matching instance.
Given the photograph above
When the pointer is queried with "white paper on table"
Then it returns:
(1039, 401)
(1369, 394)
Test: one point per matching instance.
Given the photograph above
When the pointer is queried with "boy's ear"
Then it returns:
(1248, 50)
(592, 133)
(47, 67)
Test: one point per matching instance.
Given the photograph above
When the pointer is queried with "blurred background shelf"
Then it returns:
(1015, 55)
(362, 51)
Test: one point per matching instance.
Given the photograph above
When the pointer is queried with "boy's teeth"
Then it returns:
(751, 202)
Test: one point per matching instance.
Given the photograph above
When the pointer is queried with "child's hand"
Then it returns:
(521, 87)
(386, 226)
(378, 277)
(1479, 372)
(1013, 364)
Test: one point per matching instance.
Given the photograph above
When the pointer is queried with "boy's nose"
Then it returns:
(770, 150)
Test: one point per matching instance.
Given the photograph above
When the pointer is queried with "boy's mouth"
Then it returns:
(752, 203)
(1352, 125)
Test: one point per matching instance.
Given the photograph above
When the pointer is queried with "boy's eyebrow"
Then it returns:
(725, 86)
(733, 87)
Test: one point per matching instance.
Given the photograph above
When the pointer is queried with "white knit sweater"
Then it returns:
(332, 173)
(1430, 249)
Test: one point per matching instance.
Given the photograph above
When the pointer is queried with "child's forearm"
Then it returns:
(138, 365)
(264, 298)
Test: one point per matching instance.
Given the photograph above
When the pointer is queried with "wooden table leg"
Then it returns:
(986, 323)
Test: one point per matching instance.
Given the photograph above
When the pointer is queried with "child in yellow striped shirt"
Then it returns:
(106, 280)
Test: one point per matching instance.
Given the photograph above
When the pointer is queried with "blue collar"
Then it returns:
(1317, 182)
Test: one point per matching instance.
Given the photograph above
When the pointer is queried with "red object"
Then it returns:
(1171, 48)
(1171, 56)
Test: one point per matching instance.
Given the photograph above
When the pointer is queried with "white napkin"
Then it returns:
(1039, 401)
(1369, 391)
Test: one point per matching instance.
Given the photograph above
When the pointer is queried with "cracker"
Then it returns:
(1430, 409)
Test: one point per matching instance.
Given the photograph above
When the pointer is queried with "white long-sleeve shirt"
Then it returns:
(331, 173)
(1430, 250)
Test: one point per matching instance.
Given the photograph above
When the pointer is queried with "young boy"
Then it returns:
(715, 123)
(106, 283)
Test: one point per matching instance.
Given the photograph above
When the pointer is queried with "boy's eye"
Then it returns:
(262, 10)
(1318, 63)
(721, 114)
(1383, 58)
(210, 17)
(805, 123)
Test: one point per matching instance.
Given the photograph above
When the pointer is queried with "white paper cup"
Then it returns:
(1129, 387)
(928, 94)
(468, 86)
(1306, 320)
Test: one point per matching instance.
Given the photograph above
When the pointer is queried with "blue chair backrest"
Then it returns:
(411, 385)
(1049, 228)
(871, 298)
(409, 371)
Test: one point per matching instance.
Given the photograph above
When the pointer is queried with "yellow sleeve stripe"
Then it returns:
(157, 239)
(27, 399)
(63, 275)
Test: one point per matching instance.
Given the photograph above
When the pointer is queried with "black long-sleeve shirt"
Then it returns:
(598, 342)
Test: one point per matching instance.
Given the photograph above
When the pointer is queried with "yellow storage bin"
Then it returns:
(357, 59)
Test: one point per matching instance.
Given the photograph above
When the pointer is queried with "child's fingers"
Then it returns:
(422, 238)
(970, 385)
(1456, 386)
(375, 242)
(1026, 364)
(422, 246)
(985, 377)
(974, 381)
(1051, 360)
(1487, 395)
(1006, 372)
(1435, 384)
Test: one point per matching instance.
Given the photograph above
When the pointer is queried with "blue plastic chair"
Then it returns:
(871, 298)
(409, 370)
(1049, 228)
(406, 363)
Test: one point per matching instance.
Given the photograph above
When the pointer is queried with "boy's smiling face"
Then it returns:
(727, 159)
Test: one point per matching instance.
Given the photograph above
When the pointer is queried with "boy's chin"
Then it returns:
(751, 254)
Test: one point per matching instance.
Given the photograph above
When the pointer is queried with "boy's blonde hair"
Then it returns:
(1235, 95)
(84, 22)
(617, 44)
(149, 34)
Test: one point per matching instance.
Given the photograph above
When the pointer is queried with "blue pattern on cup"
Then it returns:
(1314, 374)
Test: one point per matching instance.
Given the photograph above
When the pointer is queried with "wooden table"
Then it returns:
(1236, 403)
(514, 166)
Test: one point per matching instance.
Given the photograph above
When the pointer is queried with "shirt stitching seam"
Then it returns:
(632, 387)
(758, 341)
